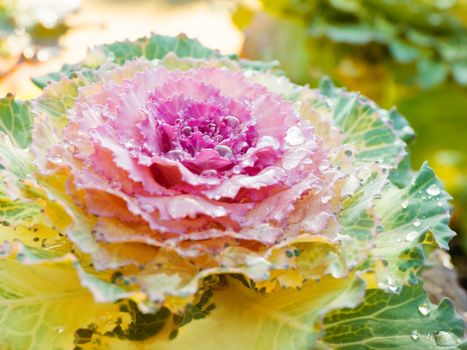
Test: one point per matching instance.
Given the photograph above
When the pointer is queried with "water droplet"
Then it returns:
(295, 136)
(391, 285)
(232, 121)
(212, 126)
(424, 309)
(59, 329)
(209, 173)
(326, 198)
(417, 223)
(106, 318)
(324, 165)
(224, 151)
(147, 207)
(411, 236)
(268, 141)
(56, 160)
(187, 130)
(175, 154)
(444, 339)
(116, 184)
(405, 204)
(129, 144)
(415, 335)
(433, 190)
(218, 138)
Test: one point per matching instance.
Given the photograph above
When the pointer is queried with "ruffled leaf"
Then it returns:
(388, 225)
(366, 126)
(406, 215)
(153, 47)
(16, 120)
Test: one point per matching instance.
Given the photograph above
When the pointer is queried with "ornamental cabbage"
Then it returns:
(160, 195)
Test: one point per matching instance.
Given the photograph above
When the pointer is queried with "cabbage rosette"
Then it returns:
(160, 195)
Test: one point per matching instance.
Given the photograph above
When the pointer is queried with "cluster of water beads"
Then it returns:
(441, 338)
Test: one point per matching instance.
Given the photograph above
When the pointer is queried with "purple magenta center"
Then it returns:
(207, 137)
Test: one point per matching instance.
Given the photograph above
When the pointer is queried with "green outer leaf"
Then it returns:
(391, 321)
(423, 206)
(401, 126)
(16, 120)
(387, 223)
(153, 47)
(15, 160)
(42, 81)
(366, 126)
(15, 212)
(357, 218)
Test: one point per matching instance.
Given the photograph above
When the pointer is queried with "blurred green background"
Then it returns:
(409, 54)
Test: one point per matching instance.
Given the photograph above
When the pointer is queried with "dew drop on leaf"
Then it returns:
(424, 309)
(433, 190)
(415, 335)
(405, 204)
(411, 236)
(417, 223)
(59, 329)
(444, 339)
